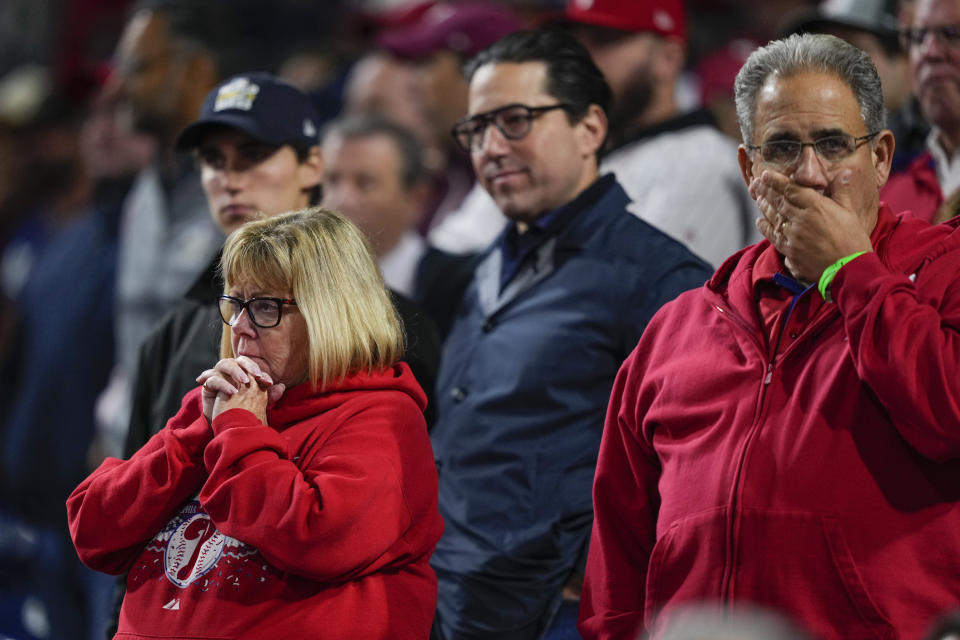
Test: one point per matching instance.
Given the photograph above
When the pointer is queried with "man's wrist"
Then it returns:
(826, 278)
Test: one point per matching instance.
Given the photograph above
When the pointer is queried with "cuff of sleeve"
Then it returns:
(192, 438)
(854, 282)
(245, 437)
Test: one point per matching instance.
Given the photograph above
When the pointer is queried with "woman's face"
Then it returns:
(280, 351)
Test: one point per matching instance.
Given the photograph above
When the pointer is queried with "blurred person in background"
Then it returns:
(715, 74)
(675, 166)
(374, 173)
(461, 217)
(930, 185)
(59, 274)
(164, 66)
(874, 27)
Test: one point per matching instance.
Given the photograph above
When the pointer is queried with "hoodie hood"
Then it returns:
(301, 402)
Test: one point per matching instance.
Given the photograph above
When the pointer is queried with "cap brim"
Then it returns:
(192, 135)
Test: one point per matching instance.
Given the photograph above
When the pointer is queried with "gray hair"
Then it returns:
(412, 168)
(818, 53)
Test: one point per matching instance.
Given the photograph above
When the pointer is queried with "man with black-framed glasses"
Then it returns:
(787, 436)
(930, 186)
(553, 308)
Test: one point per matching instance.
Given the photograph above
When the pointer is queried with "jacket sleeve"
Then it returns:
(124, 503)
(625, 503)
(332, 520)
(905, 342)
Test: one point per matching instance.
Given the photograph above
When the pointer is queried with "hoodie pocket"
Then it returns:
(793, 562)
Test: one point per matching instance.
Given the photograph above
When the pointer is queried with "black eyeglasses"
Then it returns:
(263, 312)
(949, 34)
(514, 121)
(831, 149)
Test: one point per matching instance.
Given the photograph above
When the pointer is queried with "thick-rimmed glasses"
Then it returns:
(263, 312)
(949, 34)
(831, 149)
(514, 121)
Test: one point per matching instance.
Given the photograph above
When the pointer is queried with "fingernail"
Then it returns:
(845, 177)
(244, 378)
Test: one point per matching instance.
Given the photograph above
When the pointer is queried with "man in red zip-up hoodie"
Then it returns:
(788, 436)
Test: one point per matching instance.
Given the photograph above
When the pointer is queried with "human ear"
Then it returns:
(311, 169)
(882, 154)
(592, 130)
(746, 164)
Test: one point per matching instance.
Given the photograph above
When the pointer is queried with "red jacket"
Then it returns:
(916, 189)
(819, 477)
(320, 525)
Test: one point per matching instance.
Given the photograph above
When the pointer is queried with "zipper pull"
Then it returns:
(769, 377)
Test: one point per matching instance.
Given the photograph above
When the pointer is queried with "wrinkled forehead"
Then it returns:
(805, 103)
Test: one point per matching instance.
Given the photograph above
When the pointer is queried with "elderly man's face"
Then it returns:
(805, 107)
(547, 167)
(935, 63)
(363, 178)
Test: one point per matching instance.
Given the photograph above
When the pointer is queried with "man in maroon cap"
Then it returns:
(675, 166)
(436, 45)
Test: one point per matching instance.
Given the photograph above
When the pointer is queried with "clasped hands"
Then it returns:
(238, 383)
(809, 229)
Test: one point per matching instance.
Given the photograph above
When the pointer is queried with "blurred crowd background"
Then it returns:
(71, 147)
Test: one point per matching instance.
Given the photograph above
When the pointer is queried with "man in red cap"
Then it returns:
(675, 166)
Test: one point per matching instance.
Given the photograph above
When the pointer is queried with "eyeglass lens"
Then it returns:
(264, 312)
(787, 152)
(947, 34)
(513, 121)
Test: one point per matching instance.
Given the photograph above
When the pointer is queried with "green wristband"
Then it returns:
(830, 273)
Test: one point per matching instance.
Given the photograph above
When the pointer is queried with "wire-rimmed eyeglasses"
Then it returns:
(263, 312)
(514, 121)
(948, 34)
(830, 149)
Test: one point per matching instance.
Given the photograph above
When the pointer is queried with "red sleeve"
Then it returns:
(905, 342)
(122, 504)
(625, 503)
(334, 519)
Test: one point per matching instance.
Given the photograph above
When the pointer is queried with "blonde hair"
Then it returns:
(326, 263)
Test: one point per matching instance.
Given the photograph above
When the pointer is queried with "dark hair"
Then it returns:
(412, 169)
(572, 76)
(188, 22)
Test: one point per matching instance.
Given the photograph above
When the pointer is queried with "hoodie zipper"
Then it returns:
(731, 535)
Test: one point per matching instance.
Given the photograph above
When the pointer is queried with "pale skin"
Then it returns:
(815, 213)
(267, 362)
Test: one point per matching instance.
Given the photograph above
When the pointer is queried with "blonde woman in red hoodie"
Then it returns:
(294, 494)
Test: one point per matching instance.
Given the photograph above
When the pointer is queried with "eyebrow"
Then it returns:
(816, 134)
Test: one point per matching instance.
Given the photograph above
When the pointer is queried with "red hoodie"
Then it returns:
(809, 466)
(320, 525)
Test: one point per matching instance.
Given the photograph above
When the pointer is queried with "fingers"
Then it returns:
(275, 392)
(254, 369)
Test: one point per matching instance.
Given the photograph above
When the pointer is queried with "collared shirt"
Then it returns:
(516, 247)
(947, 167)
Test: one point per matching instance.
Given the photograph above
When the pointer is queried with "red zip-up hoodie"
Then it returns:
(320, 525)
(820, 479)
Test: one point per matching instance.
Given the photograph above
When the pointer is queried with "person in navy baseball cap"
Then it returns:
(257, 145)
(262, 106)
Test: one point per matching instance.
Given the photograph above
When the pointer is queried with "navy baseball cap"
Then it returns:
(261, 105)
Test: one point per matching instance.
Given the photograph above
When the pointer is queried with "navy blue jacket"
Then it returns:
(522, 394)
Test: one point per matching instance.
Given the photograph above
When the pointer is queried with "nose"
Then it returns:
(233, 178)
(810, 171)
(932, 45)
(243, 325)
(492, 142)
